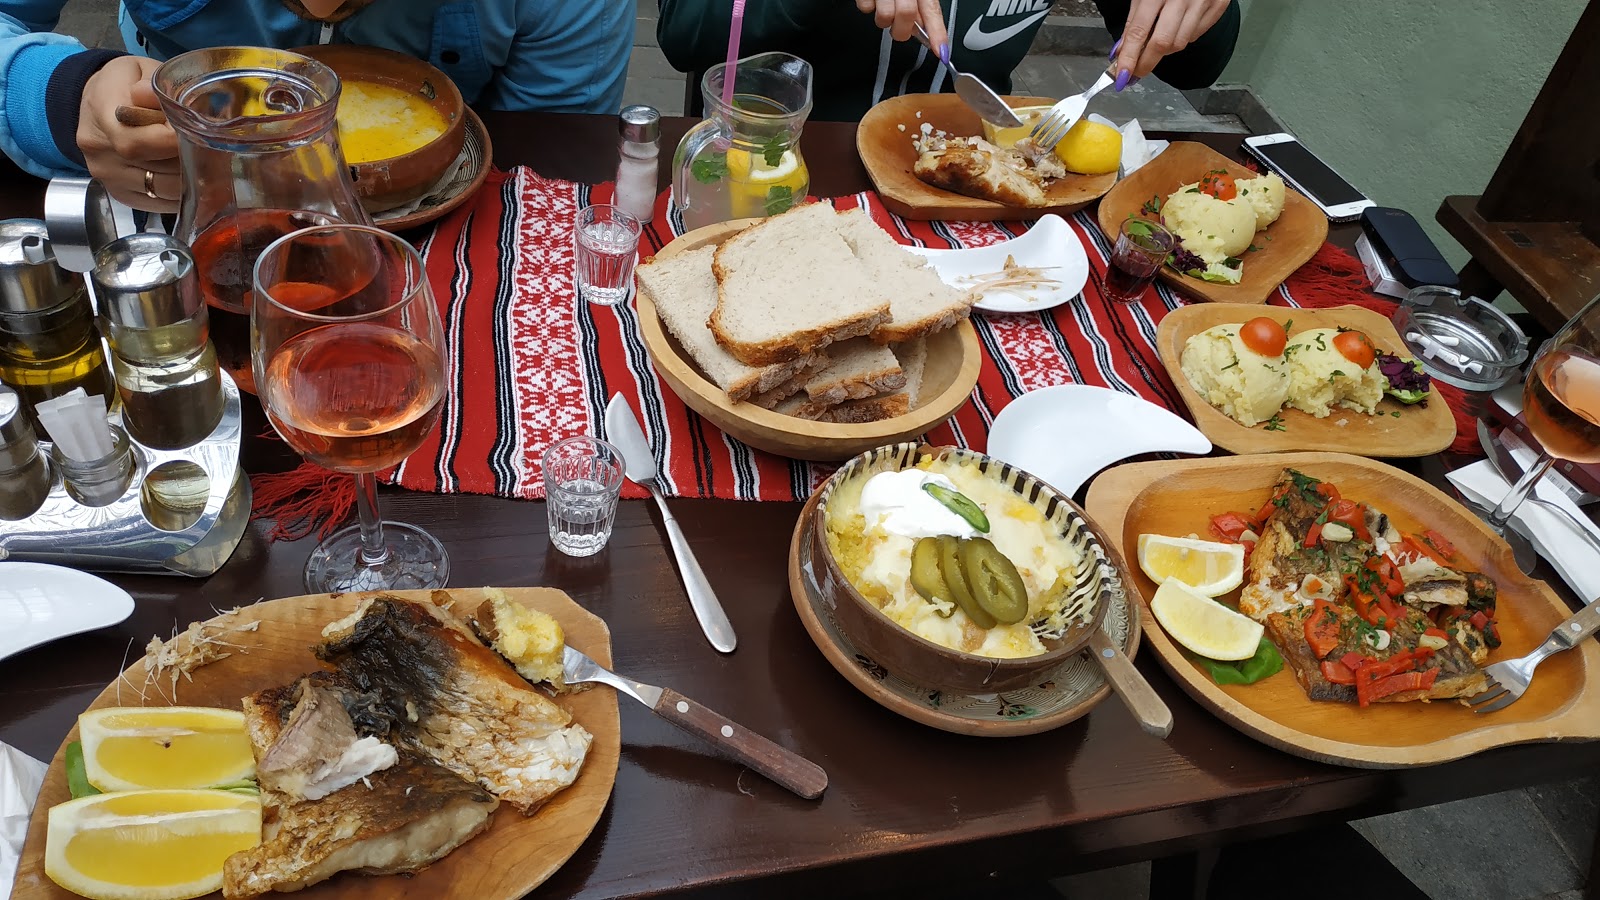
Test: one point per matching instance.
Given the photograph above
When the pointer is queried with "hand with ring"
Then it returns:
(138, 163)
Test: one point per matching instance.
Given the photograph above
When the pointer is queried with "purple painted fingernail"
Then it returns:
(1114, 48)
(944, 53)
(1122, 80)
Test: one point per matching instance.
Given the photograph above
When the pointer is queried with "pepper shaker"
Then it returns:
(636, 170)
(24, 479)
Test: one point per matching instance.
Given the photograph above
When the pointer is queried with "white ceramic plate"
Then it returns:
(1051, 242)
(1065, 434)
(39, 603)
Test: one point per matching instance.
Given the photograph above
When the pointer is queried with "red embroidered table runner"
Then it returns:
(532, 363)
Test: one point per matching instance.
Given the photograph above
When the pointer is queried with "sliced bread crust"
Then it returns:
(683, 291)
(921, 302)
(870, 409)
(791, 285)
(770, 399)
(913, 357)
(857, 368)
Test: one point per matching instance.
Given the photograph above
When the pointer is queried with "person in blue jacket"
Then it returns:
(59, 98)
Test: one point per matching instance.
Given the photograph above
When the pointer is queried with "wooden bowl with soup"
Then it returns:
(957, 571)
(401, 122)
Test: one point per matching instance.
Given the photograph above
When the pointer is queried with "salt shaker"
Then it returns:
(636, 171)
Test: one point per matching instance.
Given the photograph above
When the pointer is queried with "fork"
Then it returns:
(1053, 125)
(1509, 680)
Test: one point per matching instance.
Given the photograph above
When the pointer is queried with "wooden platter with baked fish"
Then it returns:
(271, 645)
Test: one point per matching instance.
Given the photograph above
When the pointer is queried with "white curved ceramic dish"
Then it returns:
(1050, 244)
(40, 603)
(1065, 434)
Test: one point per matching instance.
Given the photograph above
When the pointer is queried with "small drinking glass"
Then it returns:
(1141, 251)
(606, 241)
(582, 481)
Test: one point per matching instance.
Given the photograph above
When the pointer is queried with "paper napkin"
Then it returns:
(1136, 148)
(1552, 535)
(20, 779)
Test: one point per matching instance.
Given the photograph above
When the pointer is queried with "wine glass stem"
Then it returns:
(1519, 491)
(373, 550)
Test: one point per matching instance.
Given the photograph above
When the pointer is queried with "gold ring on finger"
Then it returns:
(150, 185)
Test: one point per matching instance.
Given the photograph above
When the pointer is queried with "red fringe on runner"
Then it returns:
(301, 501)
(1335, 278)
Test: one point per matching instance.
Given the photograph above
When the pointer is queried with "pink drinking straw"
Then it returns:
(732, 67)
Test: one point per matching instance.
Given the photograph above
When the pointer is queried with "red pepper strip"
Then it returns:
(1231, 526)
(1353, 660)
(1436, 632)
(1399, 684)
(1351, 515)
(1421, 548)
(1269, 507)
(1375, 670)
(1328, 491)
(1249, 548)
(1479, 620)
(1440, 543)
(1337, 672)
(1322, 628)
(1314, 536)
(1390, 610)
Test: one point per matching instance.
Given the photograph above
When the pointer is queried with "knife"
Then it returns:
(973, 92)
(782, 766)
(623, 431)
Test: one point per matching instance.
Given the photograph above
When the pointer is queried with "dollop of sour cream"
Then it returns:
(896, 502)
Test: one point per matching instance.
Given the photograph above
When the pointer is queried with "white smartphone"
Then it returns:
(1283, 153)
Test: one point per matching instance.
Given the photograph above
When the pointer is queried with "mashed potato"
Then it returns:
(1211, 229)
(1246, 386)
(1265, 196)
(1320, 377)
(1215, 230)
(878, 563)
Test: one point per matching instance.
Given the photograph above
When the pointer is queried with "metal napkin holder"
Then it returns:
(121, 536)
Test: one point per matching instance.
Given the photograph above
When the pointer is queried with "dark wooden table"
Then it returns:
(910, 808)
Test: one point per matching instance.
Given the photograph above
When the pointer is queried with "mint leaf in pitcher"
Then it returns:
(779, 198)
(709, 168)
(773, 150)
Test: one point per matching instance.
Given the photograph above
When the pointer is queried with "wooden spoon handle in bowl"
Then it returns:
(785, 767)
(1136, 693)
(139, 116)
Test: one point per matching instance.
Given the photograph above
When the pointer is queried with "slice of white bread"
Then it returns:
(870, 409)
(921, 303)
(790, 285)
(913, 357)
(803, 407)
(857, 368)
(684, 292)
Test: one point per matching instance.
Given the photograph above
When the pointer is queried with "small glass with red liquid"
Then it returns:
(1141, 251)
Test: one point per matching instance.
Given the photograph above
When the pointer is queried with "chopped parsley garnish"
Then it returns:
(1321, 344)
(1232, 365)
(1276, 424)
(1152, 206)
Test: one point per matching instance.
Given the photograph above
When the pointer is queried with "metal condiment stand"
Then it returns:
(160, 523)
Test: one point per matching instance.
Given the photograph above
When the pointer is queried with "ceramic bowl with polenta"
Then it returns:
(958, 571)
(401, 122)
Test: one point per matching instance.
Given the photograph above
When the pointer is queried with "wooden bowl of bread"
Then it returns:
(811, 334)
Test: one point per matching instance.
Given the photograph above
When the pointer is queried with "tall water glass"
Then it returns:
(606, 246)
(349, 361)
(582, 481)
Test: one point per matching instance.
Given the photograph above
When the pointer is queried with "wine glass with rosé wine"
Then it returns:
(1561, 403)
(349, 363)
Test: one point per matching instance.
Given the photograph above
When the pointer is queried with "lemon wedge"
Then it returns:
(1208, 568)
(137, 748)
(1006, 138)
(1091, 148)
(758, 189)
(1203, 625)
(148, 845)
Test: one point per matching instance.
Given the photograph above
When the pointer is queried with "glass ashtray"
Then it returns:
(1461, 341)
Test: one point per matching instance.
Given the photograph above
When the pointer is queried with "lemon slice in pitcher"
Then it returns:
(135, 748)
(757, 189)
(148, 845)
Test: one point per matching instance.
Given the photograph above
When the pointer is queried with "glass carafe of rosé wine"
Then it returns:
(260, 158)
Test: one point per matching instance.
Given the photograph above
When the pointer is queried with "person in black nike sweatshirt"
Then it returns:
(860, 59)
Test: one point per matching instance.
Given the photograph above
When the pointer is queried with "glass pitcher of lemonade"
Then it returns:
(744, 160)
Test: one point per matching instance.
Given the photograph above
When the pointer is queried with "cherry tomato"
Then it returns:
(1264, 336)
(1220, 185)
(1356, 347)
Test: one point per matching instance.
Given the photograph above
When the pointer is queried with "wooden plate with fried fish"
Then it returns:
(1178, 497)
(376, 644)
(884, 142)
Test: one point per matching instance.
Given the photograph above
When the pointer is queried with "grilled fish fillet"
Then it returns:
(981, 173)
(456, 701)
(399, 818)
